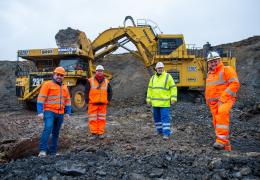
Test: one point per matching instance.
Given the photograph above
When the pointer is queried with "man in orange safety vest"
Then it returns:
(98, 95)
(221, 87)
(53, 105)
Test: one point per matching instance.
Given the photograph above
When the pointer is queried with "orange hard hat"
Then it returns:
(59, 70)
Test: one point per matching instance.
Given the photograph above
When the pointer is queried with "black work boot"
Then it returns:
(218, 146)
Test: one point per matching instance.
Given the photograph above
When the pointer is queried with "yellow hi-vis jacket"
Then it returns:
(161, 90)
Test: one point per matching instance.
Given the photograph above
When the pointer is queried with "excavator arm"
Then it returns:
(142, 37)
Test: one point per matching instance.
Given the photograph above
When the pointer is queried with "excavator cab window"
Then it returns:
(167, 45)
(73, 64)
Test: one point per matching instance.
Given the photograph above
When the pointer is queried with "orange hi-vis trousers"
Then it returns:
(97, 118)
(220, 119)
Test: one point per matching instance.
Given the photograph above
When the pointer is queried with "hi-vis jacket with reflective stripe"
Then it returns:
(54, 97)
(98, 92)
(161, 90)
(221, 85)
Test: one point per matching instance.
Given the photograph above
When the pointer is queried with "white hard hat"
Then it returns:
(213, 55)
(100, 67)
(159, 65)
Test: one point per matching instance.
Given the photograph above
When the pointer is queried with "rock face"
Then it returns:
(131, 149)
(248, 68)
(7, 86)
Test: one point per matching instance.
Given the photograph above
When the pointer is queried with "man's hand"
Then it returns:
(66, 117)
(40, 116)
(173, 102)
(40, 119)
(149, 104)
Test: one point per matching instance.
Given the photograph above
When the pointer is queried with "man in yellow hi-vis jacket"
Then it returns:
(161, 94)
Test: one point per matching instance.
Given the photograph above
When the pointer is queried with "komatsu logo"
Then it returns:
(67, 50)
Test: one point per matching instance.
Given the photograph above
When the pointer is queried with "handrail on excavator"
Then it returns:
(130, 18)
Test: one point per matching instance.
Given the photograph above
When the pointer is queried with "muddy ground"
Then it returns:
(132, 150)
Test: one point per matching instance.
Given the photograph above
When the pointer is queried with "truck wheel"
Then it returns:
(78, 98)
(29, 105)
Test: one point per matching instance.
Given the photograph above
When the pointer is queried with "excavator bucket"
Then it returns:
(72, 38)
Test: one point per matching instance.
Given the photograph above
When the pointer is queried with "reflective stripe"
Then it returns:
(102, 118)
(158, 126)
(216, 82)
(102, 87)
(222, 126)
(166, 124)
(38, 101)
(230, 92)
(166, 128)
(165, 84)
(233, 79)
(99, 114)
(167, 76)
(222, 137)
(173, 96)
(92, 119)
(159, 123)
(159, 88)
(172, 86)
(92, 115)
(52, 102)
(220, 81)
(53, 96)
(67, 104)
(152, 80)
(160, 99)
(213, 99)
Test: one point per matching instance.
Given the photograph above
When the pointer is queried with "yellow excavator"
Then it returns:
(185, 63)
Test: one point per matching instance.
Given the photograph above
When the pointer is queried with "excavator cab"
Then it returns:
(167, 45)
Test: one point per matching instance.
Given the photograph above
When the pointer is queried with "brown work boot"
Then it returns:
(218, 146)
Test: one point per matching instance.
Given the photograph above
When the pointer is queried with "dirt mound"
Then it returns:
(130, 78)
(67, 38)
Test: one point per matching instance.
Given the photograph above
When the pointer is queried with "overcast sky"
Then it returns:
(27, 24)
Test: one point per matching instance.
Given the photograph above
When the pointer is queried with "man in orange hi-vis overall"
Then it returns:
(98, 95)
(221, 87)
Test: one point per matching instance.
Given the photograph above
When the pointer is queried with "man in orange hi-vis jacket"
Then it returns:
(98, 95)
(221, 87)
(52, 103)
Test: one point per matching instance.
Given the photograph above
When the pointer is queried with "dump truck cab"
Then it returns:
(37, 65)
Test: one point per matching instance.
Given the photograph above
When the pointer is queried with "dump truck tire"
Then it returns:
(29, 105)
(78, 103)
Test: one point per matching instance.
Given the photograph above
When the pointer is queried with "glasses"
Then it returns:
(61, 75)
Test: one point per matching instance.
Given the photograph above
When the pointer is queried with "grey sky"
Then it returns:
(28, 24)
